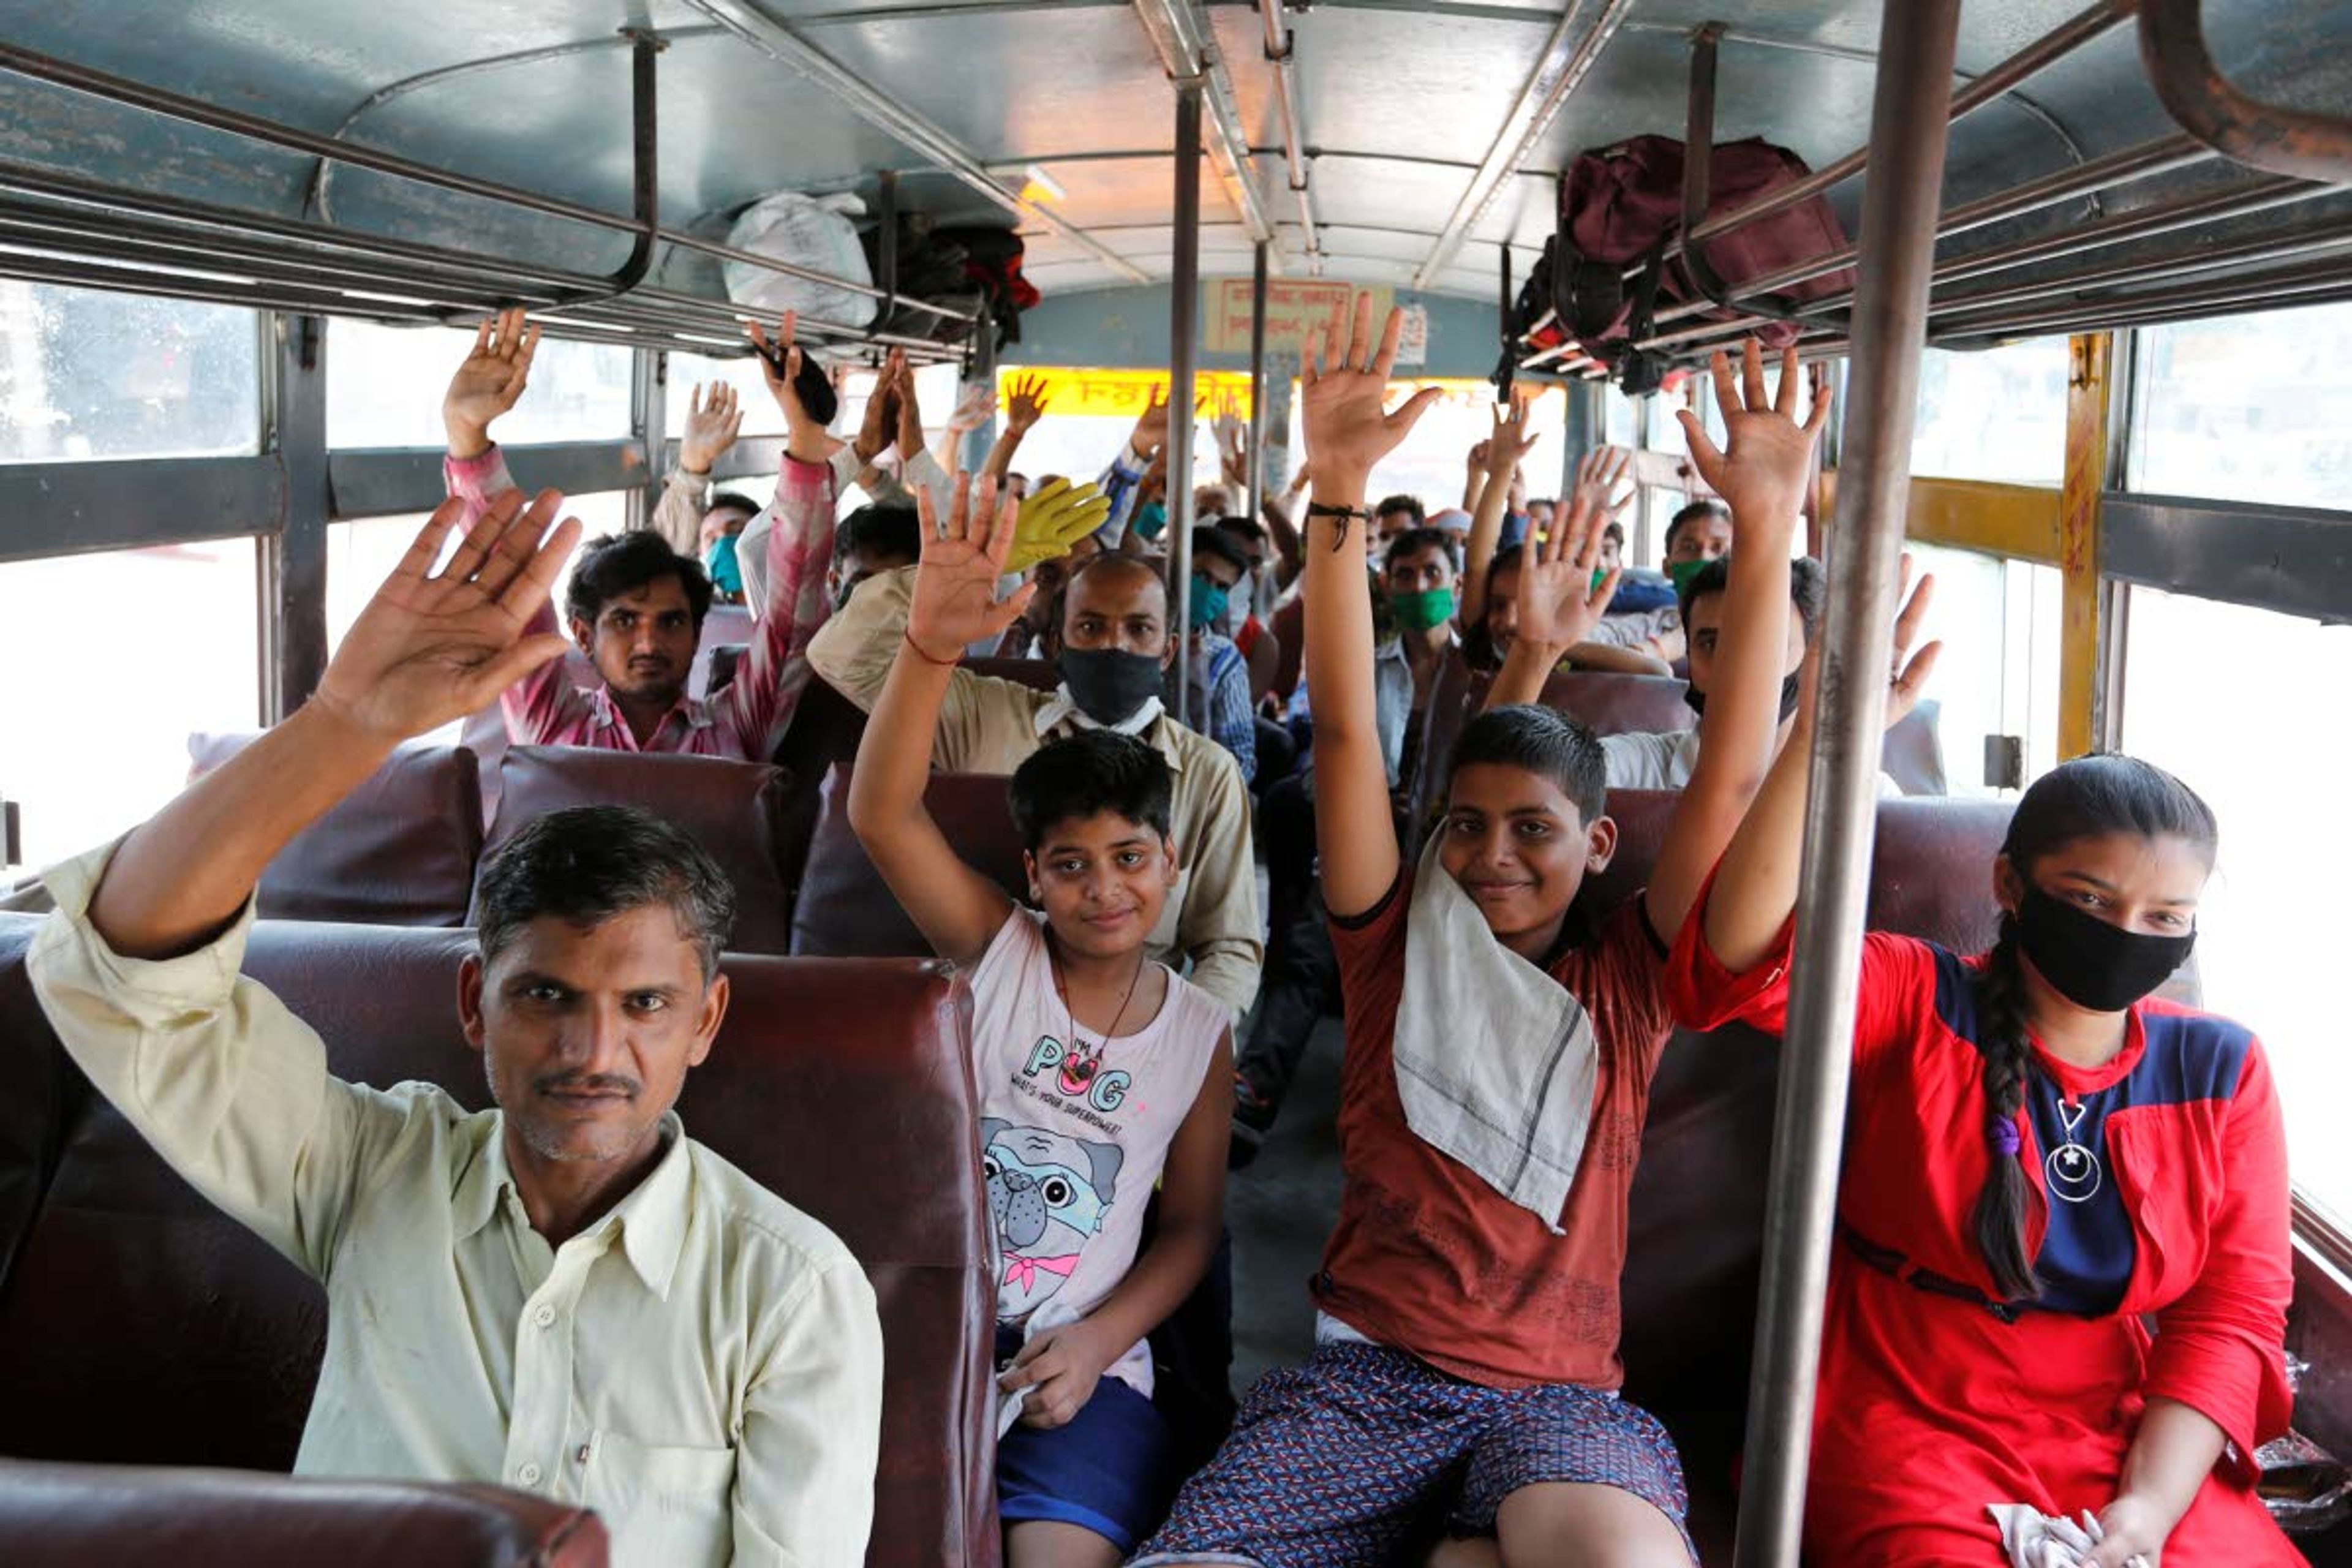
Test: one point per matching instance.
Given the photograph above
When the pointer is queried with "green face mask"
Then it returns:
(1422, 611)
(1600, 575)
(1680, 573)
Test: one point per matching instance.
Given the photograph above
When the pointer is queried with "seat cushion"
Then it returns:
(44, 1095)
(729, 807)
(398, 850)
(845, 910)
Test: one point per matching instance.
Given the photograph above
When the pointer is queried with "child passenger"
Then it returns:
(2041, 1158)
(1101, 1073)
(1463, 1393)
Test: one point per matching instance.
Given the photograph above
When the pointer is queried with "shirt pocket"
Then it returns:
(661, 1504)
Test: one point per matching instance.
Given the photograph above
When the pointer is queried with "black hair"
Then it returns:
(1413, 540)
(1403, 503)
(616, 564)
(1088, 772)
(589, 863)
(2101, 793)
(1245, 526)
(1507, 559)
(1809, 590)
(891, 529)
(732, 500)
(1209, 540)
(1542, 740)
(1615, 535)
(1707, 507)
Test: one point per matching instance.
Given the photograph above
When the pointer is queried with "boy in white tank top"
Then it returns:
(1101, 1073)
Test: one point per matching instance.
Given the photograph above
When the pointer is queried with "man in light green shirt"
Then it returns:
(565, 1295)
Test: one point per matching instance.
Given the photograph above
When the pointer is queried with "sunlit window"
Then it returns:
(2223, 696)
(761, 415)
(1998, 414)
(85, 374)
(2253, 408)
(99, 740)
(384, 386)
(1997, 676)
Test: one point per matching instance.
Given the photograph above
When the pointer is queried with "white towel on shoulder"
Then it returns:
(1496, 1060)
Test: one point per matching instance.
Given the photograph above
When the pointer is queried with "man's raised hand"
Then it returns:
(1600, 471)
(879, 427)
(1559, 601)
(494, 371)
(1765, 460)
(955, 603)
(1512, 438)
(434, 645)
(711, 427)
(1348, 426)
(1026, 406)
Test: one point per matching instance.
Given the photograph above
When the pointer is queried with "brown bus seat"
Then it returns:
(731, 809)
(139, 1326)
(398, 850)
(69, 1516)
(845, 910)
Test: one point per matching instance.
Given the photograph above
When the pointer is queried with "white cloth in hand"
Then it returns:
(2035, 1539)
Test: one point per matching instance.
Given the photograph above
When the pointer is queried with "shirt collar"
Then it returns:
(693, 711)
(1058, 711)
(652, 1218)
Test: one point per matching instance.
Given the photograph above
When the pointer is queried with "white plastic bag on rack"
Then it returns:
(807, 231)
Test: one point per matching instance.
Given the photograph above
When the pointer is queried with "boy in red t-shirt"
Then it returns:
(1463, 1391)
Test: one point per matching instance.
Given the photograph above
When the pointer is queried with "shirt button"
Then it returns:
(527, 1475)
(581, 1456)
(544, 1316)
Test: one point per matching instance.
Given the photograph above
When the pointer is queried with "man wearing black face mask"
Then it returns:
(1116, 648)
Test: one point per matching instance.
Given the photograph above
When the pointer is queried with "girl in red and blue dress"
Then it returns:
(2041, 1158)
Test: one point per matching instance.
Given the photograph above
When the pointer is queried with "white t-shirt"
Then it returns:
(1075, 1131)
(1666, 759)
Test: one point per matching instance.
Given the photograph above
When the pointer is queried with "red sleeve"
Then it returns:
(2220, 1348)
(1370, 948)
(1629, 975)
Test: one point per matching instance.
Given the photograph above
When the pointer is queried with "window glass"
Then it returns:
(1999, 621)
(1621, 417)
(761, 415)
(98, 740)
(1998, 414)
(85, 374)
(2255, 748)
(2251, 408)
(384, 386)
(361, 554)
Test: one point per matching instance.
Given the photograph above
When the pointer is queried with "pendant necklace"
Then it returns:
(1061, 985)
(2073, 1170)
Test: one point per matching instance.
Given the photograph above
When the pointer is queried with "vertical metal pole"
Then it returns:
(2082, 643)
(1254, 501)
(1581, 433)
(1909, 110)
(293, 559)
(982, 438)
(648, 431)
(1182, 310)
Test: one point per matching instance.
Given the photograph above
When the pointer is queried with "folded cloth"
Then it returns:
(1496, 1060)
(2035, 1539)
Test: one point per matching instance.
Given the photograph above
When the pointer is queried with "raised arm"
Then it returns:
(489, 382)
(958, 910)
(1559, 601)
(1494, 458)
(429, 648)
(714, 417)
(1290, 550)
(1349, 429)
(1761, 472)
(1022, 412)
(971, 411)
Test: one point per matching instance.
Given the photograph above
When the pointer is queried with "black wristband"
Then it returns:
(1316, 508)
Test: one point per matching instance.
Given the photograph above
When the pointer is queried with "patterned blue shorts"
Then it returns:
(1365, 1452)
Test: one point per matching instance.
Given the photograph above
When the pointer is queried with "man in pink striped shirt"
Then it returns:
(636, 607)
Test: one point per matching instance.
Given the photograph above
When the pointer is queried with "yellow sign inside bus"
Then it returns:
(1123, 393)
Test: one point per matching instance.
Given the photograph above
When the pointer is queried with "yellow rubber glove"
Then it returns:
(1053, 519)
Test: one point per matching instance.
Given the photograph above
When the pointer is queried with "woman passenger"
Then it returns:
(2041, 1158)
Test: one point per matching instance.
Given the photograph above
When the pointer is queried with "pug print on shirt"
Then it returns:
(1075, 1131)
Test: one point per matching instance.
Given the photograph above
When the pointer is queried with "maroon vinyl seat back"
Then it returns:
(398, 850)
(726, 626)
(824, 732)
(142, 1326)
(44, 1096)
(71, 1516)
(730, 808)
(1609, 703)
(1453, 698)
(845, 910)
(1038, 674)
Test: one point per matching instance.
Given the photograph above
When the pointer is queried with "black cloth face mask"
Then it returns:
(1110, 684)
(1788, 688)
(2092, 965)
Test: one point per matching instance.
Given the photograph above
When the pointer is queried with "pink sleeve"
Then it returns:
(475, 481)
(800, 548)
(2220, 1348)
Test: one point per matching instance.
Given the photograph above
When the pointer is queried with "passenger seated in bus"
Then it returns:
(1490, 576)
(1399, 515)
(875, 538)
(636, 607)
(2042, 1156)
(1698, 533)
(1131, 475)
(566, 1295)
(1421, 572)
(1102, 1073)
(1031, 635)
(1219, 703)
(1114, 645)
(714, 417)
(1467, 1357)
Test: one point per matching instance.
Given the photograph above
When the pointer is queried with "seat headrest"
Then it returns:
(845, 910)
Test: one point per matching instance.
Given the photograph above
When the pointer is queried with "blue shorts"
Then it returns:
(1365, 1452)
(1109, 1470)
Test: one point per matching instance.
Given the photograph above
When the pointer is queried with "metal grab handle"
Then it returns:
(2210, 106)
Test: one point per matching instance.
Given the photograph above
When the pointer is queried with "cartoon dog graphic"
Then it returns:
(1047, 1192)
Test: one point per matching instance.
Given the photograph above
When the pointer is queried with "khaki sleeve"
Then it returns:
(677, 516)
(853, 651)
(1219, 927)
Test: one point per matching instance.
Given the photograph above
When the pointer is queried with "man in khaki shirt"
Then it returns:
(1116, 644)
(565, 1295)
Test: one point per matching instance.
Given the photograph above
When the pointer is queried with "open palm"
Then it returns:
(1559, 602)
(1348, 426)
(1766, 462)
(1027, 404)
(434, 645)
(955, 603)
(494, 374)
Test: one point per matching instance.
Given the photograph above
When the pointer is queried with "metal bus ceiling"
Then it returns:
(1386, 142)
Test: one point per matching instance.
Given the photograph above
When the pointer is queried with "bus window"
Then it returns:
(762, 416)
(1997, 414)
(2268, 917)
(121, 654)
(2001, 617)
(2253, 408)
(86, 374)
(383, 388)
(1621, 418)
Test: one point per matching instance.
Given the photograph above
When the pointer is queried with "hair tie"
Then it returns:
(2001, 1132)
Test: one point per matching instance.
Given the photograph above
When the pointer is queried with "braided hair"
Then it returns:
(2086, 798)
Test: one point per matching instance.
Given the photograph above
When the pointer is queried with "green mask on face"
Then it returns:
(1680, 573)
(1422, 611)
